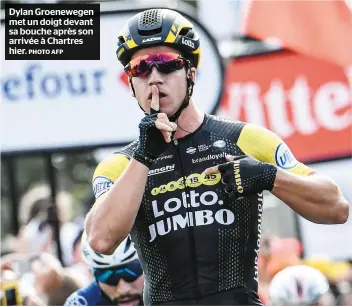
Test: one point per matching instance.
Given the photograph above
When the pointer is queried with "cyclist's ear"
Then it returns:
(192, 74)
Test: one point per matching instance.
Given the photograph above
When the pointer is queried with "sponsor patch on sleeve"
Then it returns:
(101, 185)
(284, 158)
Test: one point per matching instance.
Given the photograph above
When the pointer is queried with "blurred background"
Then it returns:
(274, 63)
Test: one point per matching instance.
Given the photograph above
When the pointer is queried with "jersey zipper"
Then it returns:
(190, 229)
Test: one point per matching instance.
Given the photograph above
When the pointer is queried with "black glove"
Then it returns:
(151, 141)
(246, 176)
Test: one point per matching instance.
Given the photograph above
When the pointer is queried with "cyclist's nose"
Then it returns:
(123, 287)
(155, 77)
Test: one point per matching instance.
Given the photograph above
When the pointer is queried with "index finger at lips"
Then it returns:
(211, 170)
(154, 105)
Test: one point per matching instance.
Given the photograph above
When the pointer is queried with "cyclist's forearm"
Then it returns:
(111, 218)
(316, 198)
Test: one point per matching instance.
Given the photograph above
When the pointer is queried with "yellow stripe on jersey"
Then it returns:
(265, 146)
(107, 172)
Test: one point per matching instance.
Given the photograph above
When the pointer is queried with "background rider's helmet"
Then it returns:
(157, 27)
(125, 253)
(299, 285)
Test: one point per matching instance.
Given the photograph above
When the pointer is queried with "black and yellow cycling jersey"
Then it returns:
(194, 242)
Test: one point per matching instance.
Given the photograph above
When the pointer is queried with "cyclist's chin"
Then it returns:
(129, 300)
(131, 303)
(169, 110)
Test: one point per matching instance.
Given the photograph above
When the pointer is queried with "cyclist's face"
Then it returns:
(172, 86)
(125, 293)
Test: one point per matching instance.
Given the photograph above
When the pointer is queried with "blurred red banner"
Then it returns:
(322, 29)
(307, 102)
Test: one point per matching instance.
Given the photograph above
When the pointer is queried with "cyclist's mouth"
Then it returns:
(161, 96)
(129, 303)
(128, 300)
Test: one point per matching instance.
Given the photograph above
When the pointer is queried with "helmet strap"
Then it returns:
(134, 95)
(185, 103)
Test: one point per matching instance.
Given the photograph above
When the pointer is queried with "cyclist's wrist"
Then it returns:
(269, 176)
(145, 159)
(151, 141)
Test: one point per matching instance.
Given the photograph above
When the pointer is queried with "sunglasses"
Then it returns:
(164, 62)
(112, 276)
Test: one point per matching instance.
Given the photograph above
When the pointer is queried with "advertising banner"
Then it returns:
(307, 102)
(298, 27)
(47, 105)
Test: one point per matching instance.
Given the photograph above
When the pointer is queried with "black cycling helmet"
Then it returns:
(158, 27)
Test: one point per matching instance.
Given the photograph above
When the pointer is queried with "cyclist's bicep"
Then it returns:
(266, 146)
(107, 172)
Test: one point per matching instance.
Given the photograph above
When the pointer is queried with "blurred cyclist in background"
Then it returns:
(300, 285)
(118, 278)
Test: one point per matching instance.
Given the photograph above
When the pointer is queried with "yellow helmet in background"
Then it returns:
(332, 270)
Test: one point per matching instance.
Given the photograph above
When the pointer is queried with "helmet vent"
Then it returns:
(150, 20)
(100, 263)
(120, 41)
(185, 32)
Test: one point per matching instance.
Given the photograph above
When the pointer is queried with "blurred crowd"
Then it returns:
(31, 273)
(29, 261)
(287, 278)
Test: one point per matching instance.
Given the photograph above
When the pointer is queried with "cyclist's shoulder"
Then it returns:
(220, 120)
(110, 168)
(223, 126)
(237, 127)
(115, 161)
(129, 149)
(85, 296)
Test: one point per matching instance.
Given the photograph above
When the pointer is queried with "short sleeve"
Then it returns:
(107, 172)
(266, 146)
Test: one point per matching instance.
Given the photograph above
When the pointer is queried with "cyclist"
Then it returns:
(193, 213)
(300, 285)
(118, 278)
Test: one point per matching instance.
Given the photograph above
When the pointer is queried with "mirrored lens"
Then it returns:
(165, 63)
(112, 276)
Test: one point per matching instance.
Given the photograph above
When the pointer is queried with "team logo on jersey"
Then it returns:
(222, 119)
(219, 144)
(207, 209)
(164, 157)
(193, 181)
(101, 184)
(200, 148)
(284, 157)
(191, 150)
(160, 170)
(209, 157)
(203, 147)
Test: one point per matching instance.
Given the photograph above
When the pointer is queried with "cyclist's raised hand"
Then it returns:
(155, 132)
